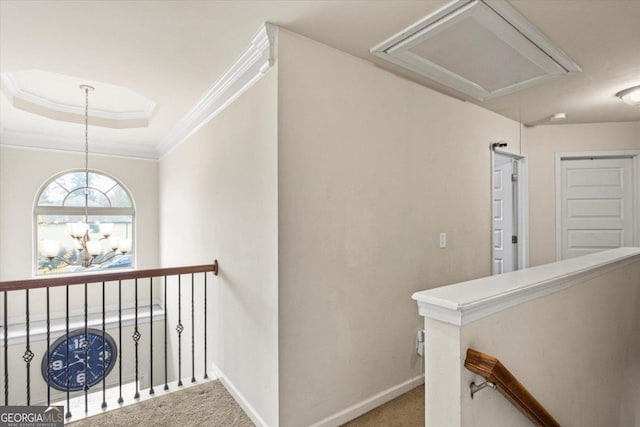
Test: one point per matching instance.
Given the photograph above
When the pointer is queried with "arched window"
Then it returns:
(83, 226)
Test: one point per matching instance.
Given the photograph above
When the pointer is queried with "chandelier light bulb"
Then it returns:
(125, 245)
(106, 229)
(94, 247)
(77, 229)
(49, 248)
(114, 243)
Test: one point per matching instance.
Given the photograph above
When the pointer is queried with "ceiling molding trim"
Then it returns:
(76, 145)
(252, 64)
(13, 90)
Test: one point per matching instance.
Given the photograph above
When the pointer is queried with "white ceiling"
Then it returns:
(171, 52)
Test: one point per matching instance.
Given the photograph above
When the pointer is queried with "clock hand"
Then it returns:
(78, 360)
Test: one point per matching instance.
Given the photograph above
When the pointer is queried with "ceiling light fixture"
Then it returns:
(91, 250)
(558, 116)
(630, 96)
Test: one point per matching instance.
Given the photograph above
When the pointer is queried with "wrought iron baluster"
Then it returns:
(193, 342)
(48, 355)
(6, 352)
(28, 354)
(136, 338)
(68, 414)
(104, 355)
(166, 315)
(120, 399)
(151, 335)
(179, 329)
(85, 347)
(205, 326)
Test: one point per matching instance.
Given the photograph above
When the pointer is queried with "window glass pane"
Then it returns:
(96, 198)
(72, 181)
(101, 182)
(53, 195)
(68, 259)
(104, 192)
(119, 198)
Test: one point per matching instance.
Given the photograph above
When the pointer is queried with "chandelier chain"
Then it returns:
(86, 155)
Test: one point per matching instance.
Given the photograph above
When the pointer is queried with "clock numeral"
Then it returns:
(80, 378)
(57, 365)
(104, 354)
(79, 342)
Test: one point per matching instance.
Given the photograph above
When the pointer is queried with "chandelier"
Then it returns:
(90, 249)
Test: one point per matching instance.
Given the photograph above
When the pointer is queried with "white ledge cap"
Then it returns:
(465, 302)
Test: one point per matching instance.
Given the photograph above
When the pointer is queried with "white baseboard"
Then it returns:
(354, 411)
(244, 404)
(335, 420)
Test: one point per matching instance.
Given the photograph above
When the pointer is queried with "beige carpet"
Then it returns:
(404, 411)
(210, 405)
(204, 405)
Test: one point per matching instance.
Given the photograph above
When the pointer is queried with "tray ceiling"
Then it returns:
(173, 52)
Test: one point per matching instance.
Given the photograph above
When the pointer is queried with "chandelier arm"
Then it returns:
(106, 257)
(97, 259)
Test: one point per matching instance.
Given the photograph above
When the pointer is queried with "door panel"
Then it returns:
(596, 205)
(503, 216)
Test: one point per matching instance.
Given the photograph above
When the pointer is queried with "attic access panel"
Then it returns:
(483, 48)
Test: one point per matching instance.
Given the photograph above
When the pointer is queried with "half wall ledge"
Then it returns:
(463, 303)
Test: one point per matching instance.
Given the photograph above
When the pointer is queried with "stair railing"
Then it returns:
(111, 282)
(499, 378)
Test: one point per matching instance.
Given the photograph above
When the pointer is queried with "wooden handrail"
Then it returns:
(490, 368)
(49, 282)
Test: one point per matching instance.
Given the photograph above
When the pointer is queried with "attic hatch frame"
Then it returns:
(516, 30)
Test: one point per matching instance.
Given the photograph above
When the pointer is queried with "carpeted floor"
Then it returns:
(211, 405)
(404, 411)
(208, 404)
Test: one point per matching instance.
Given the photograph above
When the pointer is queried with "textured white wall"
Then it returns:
(219, 199)
(541, 144)
(371, 169)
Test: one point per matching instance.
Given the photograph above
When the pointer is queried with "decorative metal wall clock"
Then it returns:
(79, 361)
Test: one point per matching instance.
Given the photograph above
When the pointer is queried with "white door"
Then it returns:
(504, 217)
(596, 205)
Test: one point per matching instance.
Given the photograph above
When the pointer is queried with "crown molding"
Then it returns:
(31, 102)
(466, 302)
(252, 64)
(10, 138)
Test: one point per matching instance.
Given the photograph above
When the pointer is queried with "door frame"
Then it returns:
(610, 154)
(522, 206)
